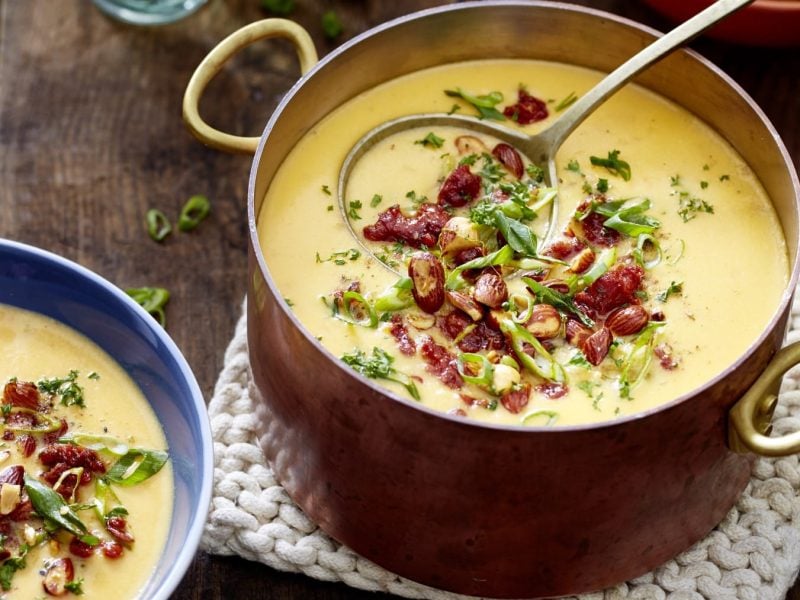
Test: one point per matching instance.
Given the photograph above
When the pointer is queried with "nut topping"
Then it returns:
(59, 573)
(469, 144)
(509, 158)
(491, 290)
(544, 322)
(458, 234)
(465, 303)
(576, 333)
(582, 261)
(628, 320)
(596, 346)
(427, 276)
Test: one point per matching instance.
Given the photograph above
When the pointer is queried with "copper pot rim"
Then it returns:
(385, 393)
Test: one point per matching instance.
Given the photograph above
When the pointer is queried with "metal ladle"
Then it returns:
(542, 147)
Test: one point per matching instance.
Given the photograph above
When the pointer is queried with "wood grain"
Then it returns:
(91, 138)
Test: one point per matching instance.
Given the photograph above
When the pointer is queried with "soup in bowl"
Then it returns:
(106, 455)
(444, 432)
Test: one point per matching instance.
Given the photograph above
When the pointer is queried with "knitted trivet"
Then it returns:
(754, 554)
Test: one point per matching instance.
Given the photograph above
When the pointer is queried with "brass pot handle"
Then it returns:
(213, 63)
(750, 418)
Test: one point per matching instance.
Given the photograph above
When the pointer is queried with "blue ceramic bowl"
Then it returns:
(45, 283)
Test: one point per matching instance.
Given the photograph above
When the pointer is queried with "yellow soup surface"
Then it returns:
(690, 220)
(81, 385)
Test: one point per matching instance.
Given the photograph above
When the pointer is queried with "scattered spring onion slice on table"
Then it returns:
(193, 212)
(152, 299)
(158, 225)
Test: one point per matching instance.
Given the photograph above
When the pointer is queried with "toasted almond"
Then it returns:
(490, 289)
(576, 333)
(582, 261)
(10, 495)
(509, 158)
(421, 320)
(596, 346)
(457, 235)
(427, 277)
(628, 320)
(544, 322)
(466, 303)
(469, 144)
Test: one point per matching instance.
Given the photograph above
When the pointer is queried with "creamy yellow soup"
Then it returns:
(37, 348)
(723, 260)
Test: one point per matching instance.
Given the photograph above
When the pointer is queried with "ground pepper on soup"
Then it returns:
(643, 291)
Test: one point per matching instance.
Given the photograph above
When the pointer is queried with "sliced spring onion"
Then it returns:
(370, 317)
(98, 443)
(542, 363)
(152, 299)
(41, 423)
(456, 281)
(158, 225)
(77, 472)
(546, 196)
(549, 416)
(679, 255)
(485, 370)
(396, 297)
(193, 212)
(105, 501)
(600, 266)
(562, 302)
(136, 466)
(648, 251)
(521, 307)
(637, 361)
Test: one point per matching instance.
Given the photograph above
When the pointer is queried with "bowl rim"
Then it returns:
(196, 526)
(260, 262)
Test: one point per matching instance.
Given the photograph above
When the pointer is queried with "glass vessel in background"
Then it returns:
(149, 12)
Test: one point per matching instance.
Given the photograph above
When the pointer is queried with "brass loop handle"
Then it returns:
(750, 418)
(216, 59)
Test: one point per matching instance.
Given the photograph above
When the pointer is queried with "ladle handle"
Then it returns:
(216, 59)
(576, 113)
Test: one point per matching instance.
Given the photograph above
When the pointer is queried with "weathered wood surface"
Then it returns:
(91, 137)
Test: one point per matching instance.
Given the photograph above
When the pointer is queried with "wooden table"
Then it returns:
(91, 138)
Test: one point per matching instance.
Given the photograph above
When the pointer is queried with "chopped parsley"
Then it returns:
(94, 375)
(613, 164)
(602, 185)
(66, 387)
(574, 166)
(724, 177)
(579, 359)
(76, 587)
(416, 200)
(431, 141)
(376, 199)
(326, 190)
(355, 206)
(566, 102)
(675, 287)
(485, 103)
(587, 387)
(690, 206)
(703, 185)
(341, 257)
(379, 366)
(329, 208)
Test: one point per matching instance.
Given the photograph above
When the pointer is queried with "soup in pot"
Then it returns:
(663, 263)
(85, 481)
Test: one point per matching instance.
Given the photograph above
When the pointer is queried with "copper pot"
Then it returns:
(501, 511)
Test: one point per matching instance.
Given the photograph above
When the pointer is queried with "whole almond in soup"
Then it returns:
(85, 479)
(666, 262)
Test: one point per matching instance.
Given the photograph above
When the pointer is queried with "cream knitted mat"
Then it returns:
(753, 554)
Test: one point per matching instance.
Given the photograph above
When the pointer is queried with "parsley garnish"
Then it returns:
(355, 206)
(326, 190)
(431, 140)
(602, 185)
(416, 200)
(535, 172)
(613, 164)
(566, 102)
(484, 104)
(579, 359)
(76, 587)
(587, 387)
(689, 206)
(379, 366)
(66, 387)
(10, 567)
(724, 177)
(94, 375)
(573, 166)
(330, 208)
(703, 185)
(376, 199)
(675, 287)
(341, 257)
